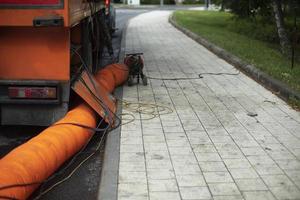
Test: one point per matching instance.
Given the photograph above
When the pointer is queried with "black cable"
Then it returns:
(217, 74)
(193, 78)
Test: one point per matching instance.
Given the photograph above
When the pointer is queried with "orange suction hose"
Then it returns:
(33, 162)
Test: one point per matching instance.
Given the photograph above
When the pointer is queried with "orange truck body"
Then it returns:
(30, 53)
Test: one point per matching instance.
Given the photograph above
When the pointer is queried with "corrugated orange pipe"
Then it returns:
(37, 159)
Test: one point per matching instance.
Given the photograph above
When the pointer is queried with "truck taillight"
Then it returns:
(32, 92)
(30, 2)
(107, 2)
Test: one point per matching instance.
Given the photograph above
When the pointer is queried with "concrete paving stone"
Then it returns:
(193, 180)
(195, 134)
(247, 143)
(221, 139)
(268, 170)
(167, 185)
(129, 148)
(274, 147)
(213, 167)
(159, 164)
(267, 140)
(155, 147)
(286, 192)
(261, 160)
(243, 173)
(289, 164)
(237, 163)
(154, 139)
(171, 123)
(132, 141)
(207, 157)
(217, 132)
(226, 147)
(173, 129)
(131, 127)
(277, 180)
(294, 175)
(176, 136)
(258, 195)
(253, 151)
(132, 157)
(251, 184)
(184, 160)
(195, 193)
(187, 170)
(236, 197)
(231, 154)
(218, 189)
(178, 142)
(181, 150)
(132, 166)
(164, 195)
(204, 148)
(130, 197)
(132, 189)
(150, 126)
(132, 177)
(157, 155)
(194, 126)
(158, 174)
(153, 132)
(125, 134)
(217, 177)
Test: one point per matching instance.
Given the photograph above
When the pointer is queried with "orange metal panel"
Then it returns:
(85, 89)
(73, 12)
(24, 17)
(34, 53)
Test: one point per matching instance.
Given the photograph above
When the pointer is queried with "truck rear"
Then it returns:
(43, 46)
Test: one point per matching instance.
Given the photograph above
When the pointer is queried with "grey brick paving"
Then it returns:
(209, 147)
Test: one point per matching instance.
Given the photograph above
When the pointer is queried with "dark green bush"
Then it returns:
(257, 29)
(193, 2)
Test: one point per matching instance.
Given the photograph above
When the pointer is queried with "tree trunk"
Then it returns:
(222, 5)
(282, 34)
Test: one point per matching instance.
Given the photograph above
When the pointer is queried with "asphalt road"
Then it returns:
(84, 183)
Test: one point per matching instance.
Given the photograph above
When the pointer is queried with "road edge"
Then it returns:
(275, 86)
(108, 189)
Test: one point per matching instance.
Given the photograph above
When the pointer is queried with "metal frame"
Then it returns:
(23, 6)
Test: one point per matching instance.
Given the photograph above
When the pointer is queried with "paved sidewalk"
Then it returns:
(209, 147)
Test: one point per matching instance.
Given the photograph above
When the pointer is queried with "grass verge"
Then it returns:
(218, 28)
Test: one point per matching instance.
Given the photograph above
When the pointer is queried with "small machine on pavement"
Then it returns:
(135, 62)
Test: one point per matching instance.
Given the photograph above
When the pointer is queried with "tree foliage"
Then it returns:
(253, 8)
(276, 12)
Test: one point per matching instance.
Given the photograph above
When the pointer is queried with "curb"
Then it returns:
(277, 87)
(108, 189)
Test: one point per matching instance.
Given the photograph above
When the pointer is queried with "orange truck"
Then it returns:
(43, 47)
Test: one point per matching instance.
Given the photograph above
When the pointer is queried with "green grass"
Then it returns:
(223, 30)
